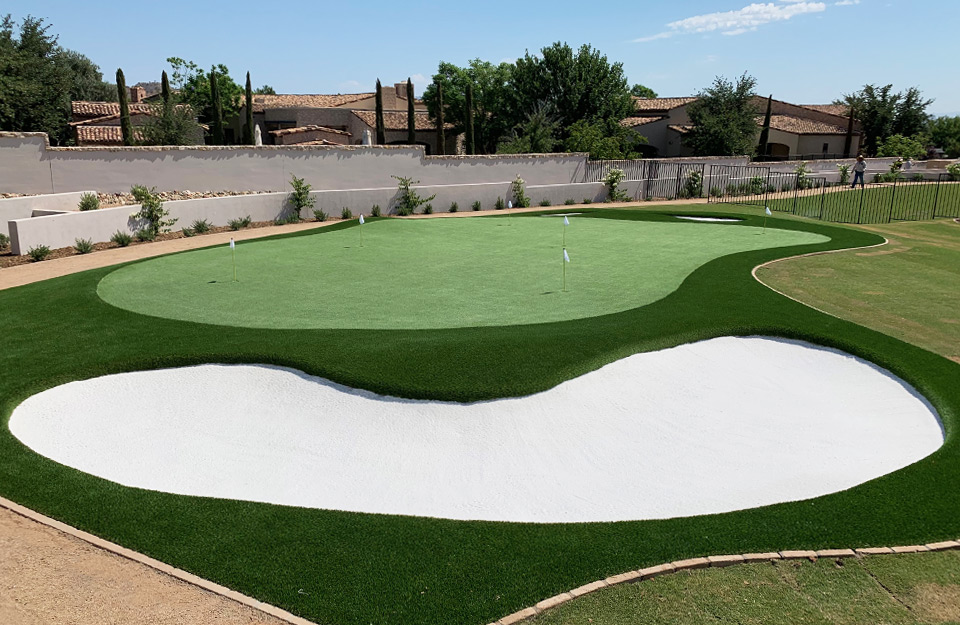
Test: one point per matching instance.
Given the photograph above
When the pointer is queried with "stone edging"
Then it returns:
(713, 562)
(166, 569)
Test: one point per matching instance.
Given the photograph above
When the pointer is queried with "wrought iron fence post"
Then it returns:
(796, 192)
(860, 210)
(823, 198)
(936, 197)
(893, 198)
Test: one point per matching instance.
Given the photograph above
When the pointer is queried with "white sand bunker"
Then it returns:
(719, 425)
(710, 219)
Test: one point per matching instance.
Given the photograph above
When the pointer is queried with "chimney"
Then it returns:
(137, 94)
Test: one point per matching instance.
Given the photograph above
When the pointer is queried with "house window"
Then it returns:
(826, 146)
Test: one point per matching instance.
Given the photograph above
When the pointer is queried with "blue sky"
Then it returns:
(800, 51)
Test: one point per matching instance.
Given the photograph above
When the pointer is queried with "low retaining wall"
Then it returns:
(36, 205)
(63, 229)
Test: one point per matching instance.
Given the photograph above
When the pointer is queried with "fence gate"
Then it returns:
(668, 180)
(742, 184)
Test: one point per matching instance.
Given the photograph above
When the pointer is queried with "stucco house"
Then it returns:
(292, 119)
(98, 123)
(796, 131)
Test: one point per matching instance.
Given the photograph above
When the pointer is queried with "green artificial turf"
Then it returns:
(902, 589)
(437, 273)
(363, 568)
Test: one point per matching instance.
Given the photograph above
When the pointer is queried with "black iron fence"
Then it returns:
(634, 169)
(663, 179)
(898, 199)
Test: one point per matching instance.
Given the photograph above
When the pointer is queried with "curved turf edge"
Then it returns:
(370, 568)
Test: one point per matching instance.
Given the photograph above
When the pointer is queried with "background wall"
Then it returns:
(35, 205)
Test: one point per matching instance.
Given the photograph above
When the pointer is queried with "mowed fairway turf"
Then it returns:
(438, 273)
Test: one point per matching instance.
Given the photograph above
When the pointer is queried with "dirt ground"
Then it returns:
(48, 577)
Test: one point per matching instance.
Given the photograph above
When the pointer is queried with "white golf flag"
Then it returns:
(509, 203)
(566, 222)
(566, 257)
(231, 243)
(361, 220)
(768, 211)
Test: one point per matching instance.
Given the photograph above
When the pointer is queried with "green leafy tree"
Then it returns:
(536, 135)
(905, 147)
(126, 128)
(763, 147)
(945, 134)
(411, 115)
(380, 127)
(883, 113)
(724, 118)
(641, 91)
(193, 83)
(170, 123)
(468, 104)
(217, 117)
(265, 90)
(604, 140)
(248, 137)
(38, 79)
(579, 86)
(493, 115)
(165, 93)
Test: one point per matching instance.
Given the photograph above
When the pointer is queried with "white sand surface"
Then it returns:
(719, 425)
(711, 219)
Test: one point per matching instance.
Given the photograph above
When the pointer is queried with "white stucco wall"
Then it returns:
(34, 205)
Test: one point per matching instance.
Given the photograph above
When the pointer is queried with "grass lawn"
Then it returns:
(903, 589)
(874, 204)
(367, 568)
(438, 273)
(909, 289)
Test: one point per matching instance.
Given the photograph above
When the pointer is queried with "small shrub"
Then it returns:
(39, 252)
(122, 239)
(693, 185)
(757, 185)
(146, 234)
(587, 200)
(83, 246)
(613, 179)
(802, 170)
(187, 232)
(844, 170)
(375, 211)
(499, 204)
(200, 226)
(520, 199)
(346, 213)
(918, 177)
(569, 201)
(89, 202)
(954, 170)
(545, 202)
(476, 205)
(319, 214)
(715, 192)
(237, 224)
(409, 200)
(428, 209)
(4, 241)
(151, 210)
(453, 207)
(300, 196)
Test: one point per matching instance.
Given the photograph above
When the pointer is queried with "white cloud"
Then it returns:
(846, 3)
(743, 20)
(349, 86)
(420, 80)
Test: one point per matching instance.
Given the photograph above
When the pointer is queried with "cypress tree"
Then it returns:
(248, 126)
(848, 141)
(381, 130)
(411, 115)
(126, 128)
(763, 146)
(217, 109)
(470, 146)
(165, 88)
(441, 139)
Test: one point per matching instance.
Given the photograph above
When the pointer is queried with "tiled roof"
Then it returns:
(83, 108)
(312, 127)
(800, 126)
(319, 142)
(681, 128)
(102, 135)
(395, 120)
(107, 118)
(631, 122)
(285, 100)
(832, 109)
(659, 104)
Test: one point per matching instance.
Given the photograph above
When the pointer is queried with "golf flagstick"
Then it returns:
(566, 259)
(566, 223)
(233, 254)
(766, 214)
(361, 230)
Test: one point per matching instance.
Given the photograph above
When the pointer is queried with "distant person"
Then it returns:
(858, 168)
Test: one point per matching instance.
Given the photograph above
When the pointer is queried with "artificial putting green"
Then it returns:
(356, 569)
(437, 273)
